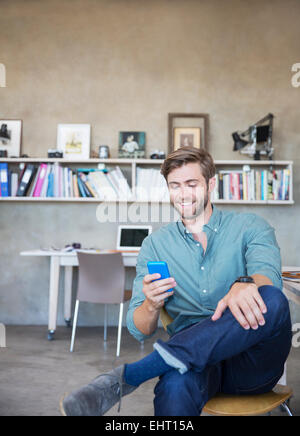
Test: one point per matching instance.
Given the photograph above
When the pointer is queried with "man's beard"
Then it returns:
(199, 209)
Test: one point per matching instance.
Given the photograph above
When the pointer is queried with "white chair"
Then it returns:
(101, 280)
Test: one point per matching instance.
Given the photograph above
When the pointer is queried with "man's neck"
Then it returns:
(195, 225)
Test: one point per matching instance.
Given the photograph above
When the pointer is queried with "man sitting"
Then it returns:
(231, 329)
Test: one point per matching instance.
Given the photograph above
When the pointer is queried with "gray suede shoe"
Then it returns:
(96, 398)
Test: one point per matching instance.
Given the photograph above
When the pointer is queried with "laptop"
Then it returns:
(130, 238)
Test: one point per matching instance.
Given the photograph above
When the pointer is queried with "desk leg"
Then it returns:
(68, 294)
(53, 296)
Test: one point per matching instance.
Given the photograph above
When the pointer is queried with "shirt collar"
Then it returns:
(213, 223)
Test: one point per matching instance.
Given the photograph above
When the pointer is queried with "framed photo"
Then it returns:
(11, 137)
(187, 130)
(132, 144)
(187, 137)
(74, 140)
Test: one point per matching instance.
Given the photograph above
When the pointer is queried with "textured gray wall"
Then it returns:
(123, 65)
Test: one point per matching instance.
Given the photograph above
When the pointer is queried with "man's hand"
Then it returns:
(245, 304)
(157, 291)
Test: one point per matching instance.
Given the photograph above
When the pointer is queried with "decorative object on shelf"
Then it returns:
(3, 153)
(187, 137)
(157, 154)
(259, 139)
(132, 144)
(187, 130)
(52, 152)
(74, 140)
(10, 137)
(104, 152)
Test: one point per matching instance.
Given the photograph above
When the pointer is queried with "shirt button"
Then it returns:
(197, 245)
(204, 291)
(216, 230)
(202, 267)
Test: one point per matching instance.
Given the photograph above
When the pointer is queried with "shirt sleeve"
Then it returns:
(146, 254)
(263, 252)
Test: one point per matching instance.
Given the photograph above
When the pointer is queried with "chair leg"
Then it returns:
(120, 329)
(74, 325)
(287, 409)
(105, 322)
(2, 336)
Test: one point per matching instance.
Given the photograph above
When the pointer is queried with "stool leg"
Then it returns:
(286, 407)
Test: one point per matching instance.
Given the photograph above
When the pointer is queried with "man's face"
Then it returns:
(188, 190)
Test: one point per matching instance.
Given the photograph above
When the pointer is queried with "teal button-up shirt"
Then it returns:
(237, 244)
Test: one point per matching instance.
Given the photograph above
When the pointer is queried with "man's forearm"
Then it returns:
(146, 318)
(261, 280)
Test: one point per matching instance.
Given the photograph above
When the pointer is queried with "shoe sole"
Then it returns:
(61, 405)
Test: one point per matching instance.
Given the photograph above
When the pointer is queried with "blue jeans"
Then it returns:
(221, 356)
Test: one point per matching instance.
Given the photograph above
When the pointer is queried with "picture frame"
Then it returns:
(74, 140)
(11, 137)
(188, 129)
(132, 144)
(187, 136)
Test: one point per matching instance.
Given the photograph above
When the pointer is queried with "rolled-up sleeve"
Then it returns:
(263, 252)
(138, 297)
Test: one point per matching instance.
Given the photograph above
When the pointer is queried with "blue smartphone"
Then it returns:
(160, 268)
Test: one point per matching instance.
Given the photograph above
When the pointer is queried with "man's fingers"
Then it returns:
(256, 310)
(251, 313)
(161, 289)
(237, 313)
(148, 278)
(219, 310)
(260, 302)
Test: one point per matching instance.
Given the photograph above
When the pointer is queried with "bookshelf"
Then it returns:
(131, 168)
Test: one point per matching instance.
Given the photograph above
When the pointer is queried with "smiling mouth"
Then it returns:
(185, 204)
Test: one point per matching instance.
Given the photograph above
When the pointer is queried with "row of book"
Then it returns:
(252, 185)
(54, 180)
(151, 185)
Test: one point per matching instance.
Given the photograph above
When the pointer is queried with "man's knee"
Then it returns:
(276, 302)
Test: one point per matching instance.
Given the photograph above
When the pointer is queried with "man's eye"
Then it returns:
(192, 185)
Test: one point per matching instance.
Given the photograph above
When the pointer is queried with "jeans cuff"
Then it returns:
(169, 358)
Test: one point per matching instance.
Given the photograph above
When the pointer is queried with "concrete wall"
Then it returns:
(124, 65)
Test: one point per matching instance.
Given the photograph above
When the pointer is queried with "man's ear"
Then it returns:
(211, 184)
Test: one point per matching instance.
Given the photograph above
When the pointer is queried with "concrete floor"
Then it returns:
(34, 373)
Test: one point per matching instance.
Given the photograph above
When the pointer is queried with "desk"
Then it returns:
(68, 260)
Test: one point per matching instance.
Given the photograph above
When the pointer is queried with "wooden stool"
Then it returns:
(247, 405)
(242, 405)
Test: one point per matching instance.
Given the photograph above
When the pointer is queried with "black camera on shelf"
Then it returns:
(3, 153)
(55, 153)
(157, 154)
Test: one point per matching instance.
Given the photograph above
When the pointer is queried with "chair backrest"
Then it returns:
(101, 278)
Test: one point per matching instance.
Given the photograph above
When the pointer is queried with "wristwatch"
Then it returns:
(243, 279)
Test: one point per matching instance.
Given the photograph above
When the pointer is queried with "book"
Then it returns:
(26, 180)
(4, 179)
(50, 189)
(103, 185)
(40, 180)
